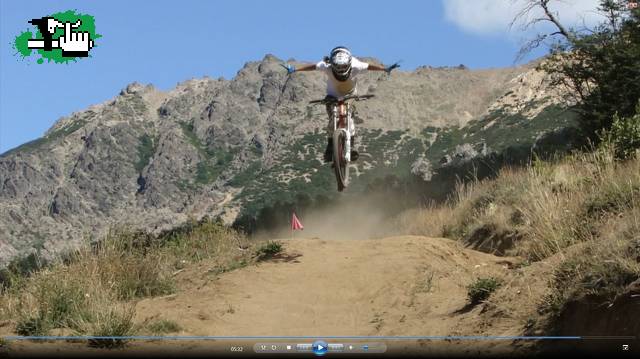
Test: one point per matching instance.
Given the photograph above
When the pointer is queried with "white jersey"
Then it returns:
(340, 89)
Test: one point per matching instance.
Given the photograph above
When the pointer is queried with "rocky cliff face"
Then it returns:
(228, 148)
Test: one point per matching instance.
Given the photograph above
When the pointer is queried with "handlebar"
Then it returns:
(330, 99)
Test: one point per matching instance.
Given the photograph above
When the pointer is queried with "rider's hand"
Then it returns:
(391, 67)
(290, 68)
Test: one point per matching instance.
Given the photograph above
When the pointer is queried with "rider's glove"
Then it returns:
(391, 67)
(290, 68)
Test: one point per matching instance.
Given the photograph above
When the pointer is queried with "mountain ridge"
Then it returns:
(154, 159)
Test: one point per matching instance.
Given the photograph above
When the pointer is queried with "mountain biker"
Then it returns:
(341, 69)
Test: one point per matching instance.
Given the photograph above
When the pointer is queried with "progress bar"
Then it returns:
(479, 337)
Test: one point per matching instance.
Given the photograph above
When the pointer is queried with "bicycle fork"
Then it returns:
(342, 121)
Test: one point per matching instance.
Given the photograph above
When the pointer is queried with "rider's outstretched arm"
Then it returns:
(373, 67)
(310, 67)
(291, 69)
(388, 69)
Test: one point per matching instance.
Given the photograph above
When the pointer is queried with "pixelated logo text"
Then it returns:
(58, 38)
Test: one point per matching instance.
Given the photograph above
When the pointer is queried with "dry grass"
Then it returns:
(430, 221)
(602, 267)
(549, 205)
(584, 209)
(93, 291)
(163, 326)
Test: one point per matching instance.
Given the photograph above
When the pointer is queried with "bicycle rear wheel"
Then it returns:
(340, 164)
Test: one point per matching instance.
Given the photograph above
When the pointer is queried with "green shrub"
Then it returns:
(132, 263)
(59, 300)
(136, 277)
(612, 198)
(32, 326)
(20, 268)
(482, 288)
(205, 239)
(108, 323)
(268, 250)
(624, 135)
(599, 67)
(51, 302)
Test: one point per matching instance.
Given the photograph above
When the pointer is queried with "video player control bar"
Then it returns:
(320, 348)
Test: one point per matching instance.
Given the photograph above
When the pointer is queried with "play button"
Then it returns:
(320, 347)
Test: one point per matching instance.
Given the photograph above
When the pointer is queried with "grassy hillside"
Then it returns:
(580, 214)
(93, 291)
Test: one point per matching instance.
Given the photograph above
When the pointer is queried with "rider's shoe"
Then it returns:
(328, 152)
(354, 155)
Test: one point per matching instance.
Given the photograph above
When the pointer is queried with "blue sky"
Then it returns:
(166, 42)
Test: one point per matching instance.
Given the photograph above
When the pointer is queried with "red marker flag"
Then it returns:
(295, 223)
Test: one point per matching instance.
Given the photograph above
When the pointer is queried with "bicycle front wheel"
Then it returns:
(340, 164)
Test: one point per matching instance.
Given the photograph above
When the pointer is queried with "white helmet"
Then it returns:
(340, 59)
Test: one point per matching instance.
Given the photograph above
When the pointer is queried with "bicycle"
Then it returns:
(343, 130)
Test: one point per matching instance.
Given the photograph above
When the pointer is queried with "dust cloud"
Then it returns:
(349, 217)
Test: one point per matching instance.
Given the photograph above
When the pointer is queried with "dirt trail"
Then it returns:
(400, 286)
(397, 286)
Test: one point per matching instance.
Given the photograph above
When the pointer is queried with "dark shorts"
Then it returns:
(330, 111)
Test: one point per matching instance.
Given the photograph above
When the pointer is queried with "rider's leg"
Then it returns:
(328, 152)
(352, 131)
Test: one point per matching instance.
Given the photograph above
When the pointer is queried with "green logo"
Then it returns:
(58, 38)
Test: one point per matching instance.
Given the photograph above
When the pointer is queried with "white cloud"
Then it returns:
(494, 16)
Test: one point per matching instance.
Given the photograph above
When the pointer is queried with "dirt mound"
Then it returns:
(392, 286)
(397, 286)
(609, 324)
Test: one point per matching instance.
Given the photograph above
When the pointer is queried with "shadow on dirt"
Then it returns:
(284, 258)
(466, 309)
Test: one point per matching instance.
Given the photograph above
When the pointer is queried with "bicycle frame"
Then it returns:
(343, 121)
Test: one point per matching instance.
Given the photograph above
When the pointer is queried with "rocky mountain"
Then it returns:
(231, 148)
